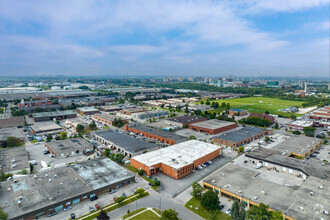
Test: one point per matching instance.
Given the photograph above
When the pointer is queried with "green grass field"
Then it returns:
(146, 215)
(260, 105)
(201, 211)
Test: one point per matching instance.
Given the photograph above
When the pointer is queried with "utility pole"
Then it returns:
(160, 204)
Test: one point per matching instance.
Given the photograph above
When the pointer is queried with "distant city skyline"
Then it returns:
(165, 38)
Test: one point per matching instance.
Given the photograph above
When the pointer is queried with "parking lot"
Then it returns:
(323, 153)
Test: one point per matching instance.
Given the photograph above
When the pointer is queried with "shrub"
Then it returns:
(140, 172)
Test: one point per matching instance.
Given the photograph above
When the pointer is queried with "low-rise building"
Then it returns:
(143, 116)
(130, 111)
(69, 147)
(242, 136)
(12, 122)
(184, 121)
(45, 128)
(263, 116)
(88, 110)
(156, 134)
(212, 126)
(238, 112)
(38, 195)
(177, 160)
(125, 144)
(11, 132)
(55, 115)
(321, 114)
(14, 159)
(300, 125)
(110, 108)
(106, 119)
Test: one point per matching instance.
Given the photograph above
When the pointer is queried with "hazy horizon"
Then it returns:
(151, 38)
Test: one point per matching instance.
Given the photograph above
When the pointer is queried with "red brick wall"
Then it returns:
(148, 135)
(212, 131)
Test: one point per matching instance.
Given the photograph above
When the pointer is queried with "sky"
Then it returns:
(282, 38)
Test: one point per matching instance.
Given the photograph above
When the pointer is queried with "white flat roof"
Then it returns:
(178, 155)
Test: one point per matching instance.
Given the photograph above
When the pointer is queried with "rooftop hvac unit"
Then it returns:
(263, 192)
(239, 191)
(311, 193)
(256, 197)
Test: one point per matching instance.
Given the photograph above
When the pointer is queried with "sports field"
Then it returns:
(261, 104)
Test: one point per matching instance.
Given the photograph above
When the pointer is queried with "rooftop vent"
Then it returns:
(213, 181)
(255, 198)
(311, 193)
(263, 192)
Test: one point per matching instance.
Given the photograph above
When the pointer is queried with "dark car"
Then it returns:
(73, 216)
(221, 207)
(124, 195)
(151, 184)
(97, 206)
(94, 198)
(245, 161)
(46, 152)
(313, 155)
(316, 152)
(52, 214)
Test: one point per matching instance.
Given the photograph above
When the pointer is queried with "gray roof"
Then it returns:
(126, 142)
(69, 144)
(11, 132)
(185, 119)
(12, 122)
(53, 113)
(310, 168)
(165, 134)
(19, 154)
(241, 134)
(213, 124)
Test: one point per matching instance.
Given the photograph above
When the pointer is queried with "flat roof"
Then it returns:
(45, 126)
(88, 109)
(12, 122)
(297, 144)
(53, 113)
(185, 119)
(177, 155)
(102, 172)
(11, 132)
(314, 168)
(69, 144)
(126, 142)
(19, 154)
(213, 124)
(110, 107)
(165, 134)
(241, 134)
(294, 201)
(106, 116)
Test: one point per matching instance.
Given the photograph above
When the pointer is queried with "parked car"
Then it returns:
(245, 161)
(221, 207)
(91, 209)
(67, 208)
(52, 214)
(97, 206)
(313, 155)
(316, 152)
(73, 216)
(228, 211)
(46, 152)
(94, 198)
(123, 195)
(112, 191)
(151, 184)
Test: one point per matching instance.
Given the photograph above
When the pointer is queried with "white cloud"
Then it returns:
(136, 49)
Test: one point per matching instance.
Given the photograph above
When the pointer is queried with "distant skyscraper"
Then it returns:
(219, 83)
(301, 84)
(305, 90)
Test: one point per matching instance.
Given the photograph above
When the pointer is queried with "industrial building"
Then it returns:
(143, 116)
(69, 147)
(298, 146)
(212, 126)
(110, 108)
(242, 136)
(177, 160)
(130, 111)
(184, 121)
(237, 112)
(300, 125)
(125, 144)
(106, 119)
(87, 111)
(45, 128)
(14, 159)
(12, 122)
(55, 115)
(263, 116)
(11, 132)
(38, 195)
(321, 114)
(156, 134)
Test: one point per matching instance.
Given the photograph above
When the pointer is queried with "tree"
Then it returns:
(293, 117)
(192, 137)
(120, 199)
(24, 171)
(267, 139)
(210, 200)
(92, 126)
(107, 152)
(140, 172)
(80, 128)
(13, 142)
(63, 135)
(197, 190)
(119, 157)
(228, 106)
(237, 211)
(276, 215)
(57, 137)
(259, 212)
(3, 215)
(267, 112)
(223, 104)
(309, 131)
(202, 102)
(169, 214)
(49, 138)
(186, 110)
(207, 102)
(241, 149)
(112, 156)
(276, 125)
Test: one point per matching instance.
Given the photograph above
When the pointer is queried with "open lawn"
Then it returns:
(260, 105)
(201, 211)
(150, 215)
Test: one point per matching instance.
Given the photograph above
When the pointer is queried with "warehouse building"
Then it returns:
(45, 128)
(298, 146)
(143, 116)
(238, 112)
(106, 119)
(300, 124)
(12, 122)
(263, 116)
(308, 200)
(242, 136)
(38, 195)
(11, 132)
(87, 111)
(156, 134)
(125, 144)
(212, 126)
(130, 111)
(14, 159)
(184, 121)
(177, 160)
(110, 108)
(69, 147)
(321, 114)
(55, 115)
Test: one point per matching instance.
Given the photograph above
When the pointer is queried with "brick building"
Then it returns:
(153, 133)
(106, 119)
(178, 160)
(88, 110)
(240, 137)
(184, 121)
(263, 116)
(237, 112)
(212, 126)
